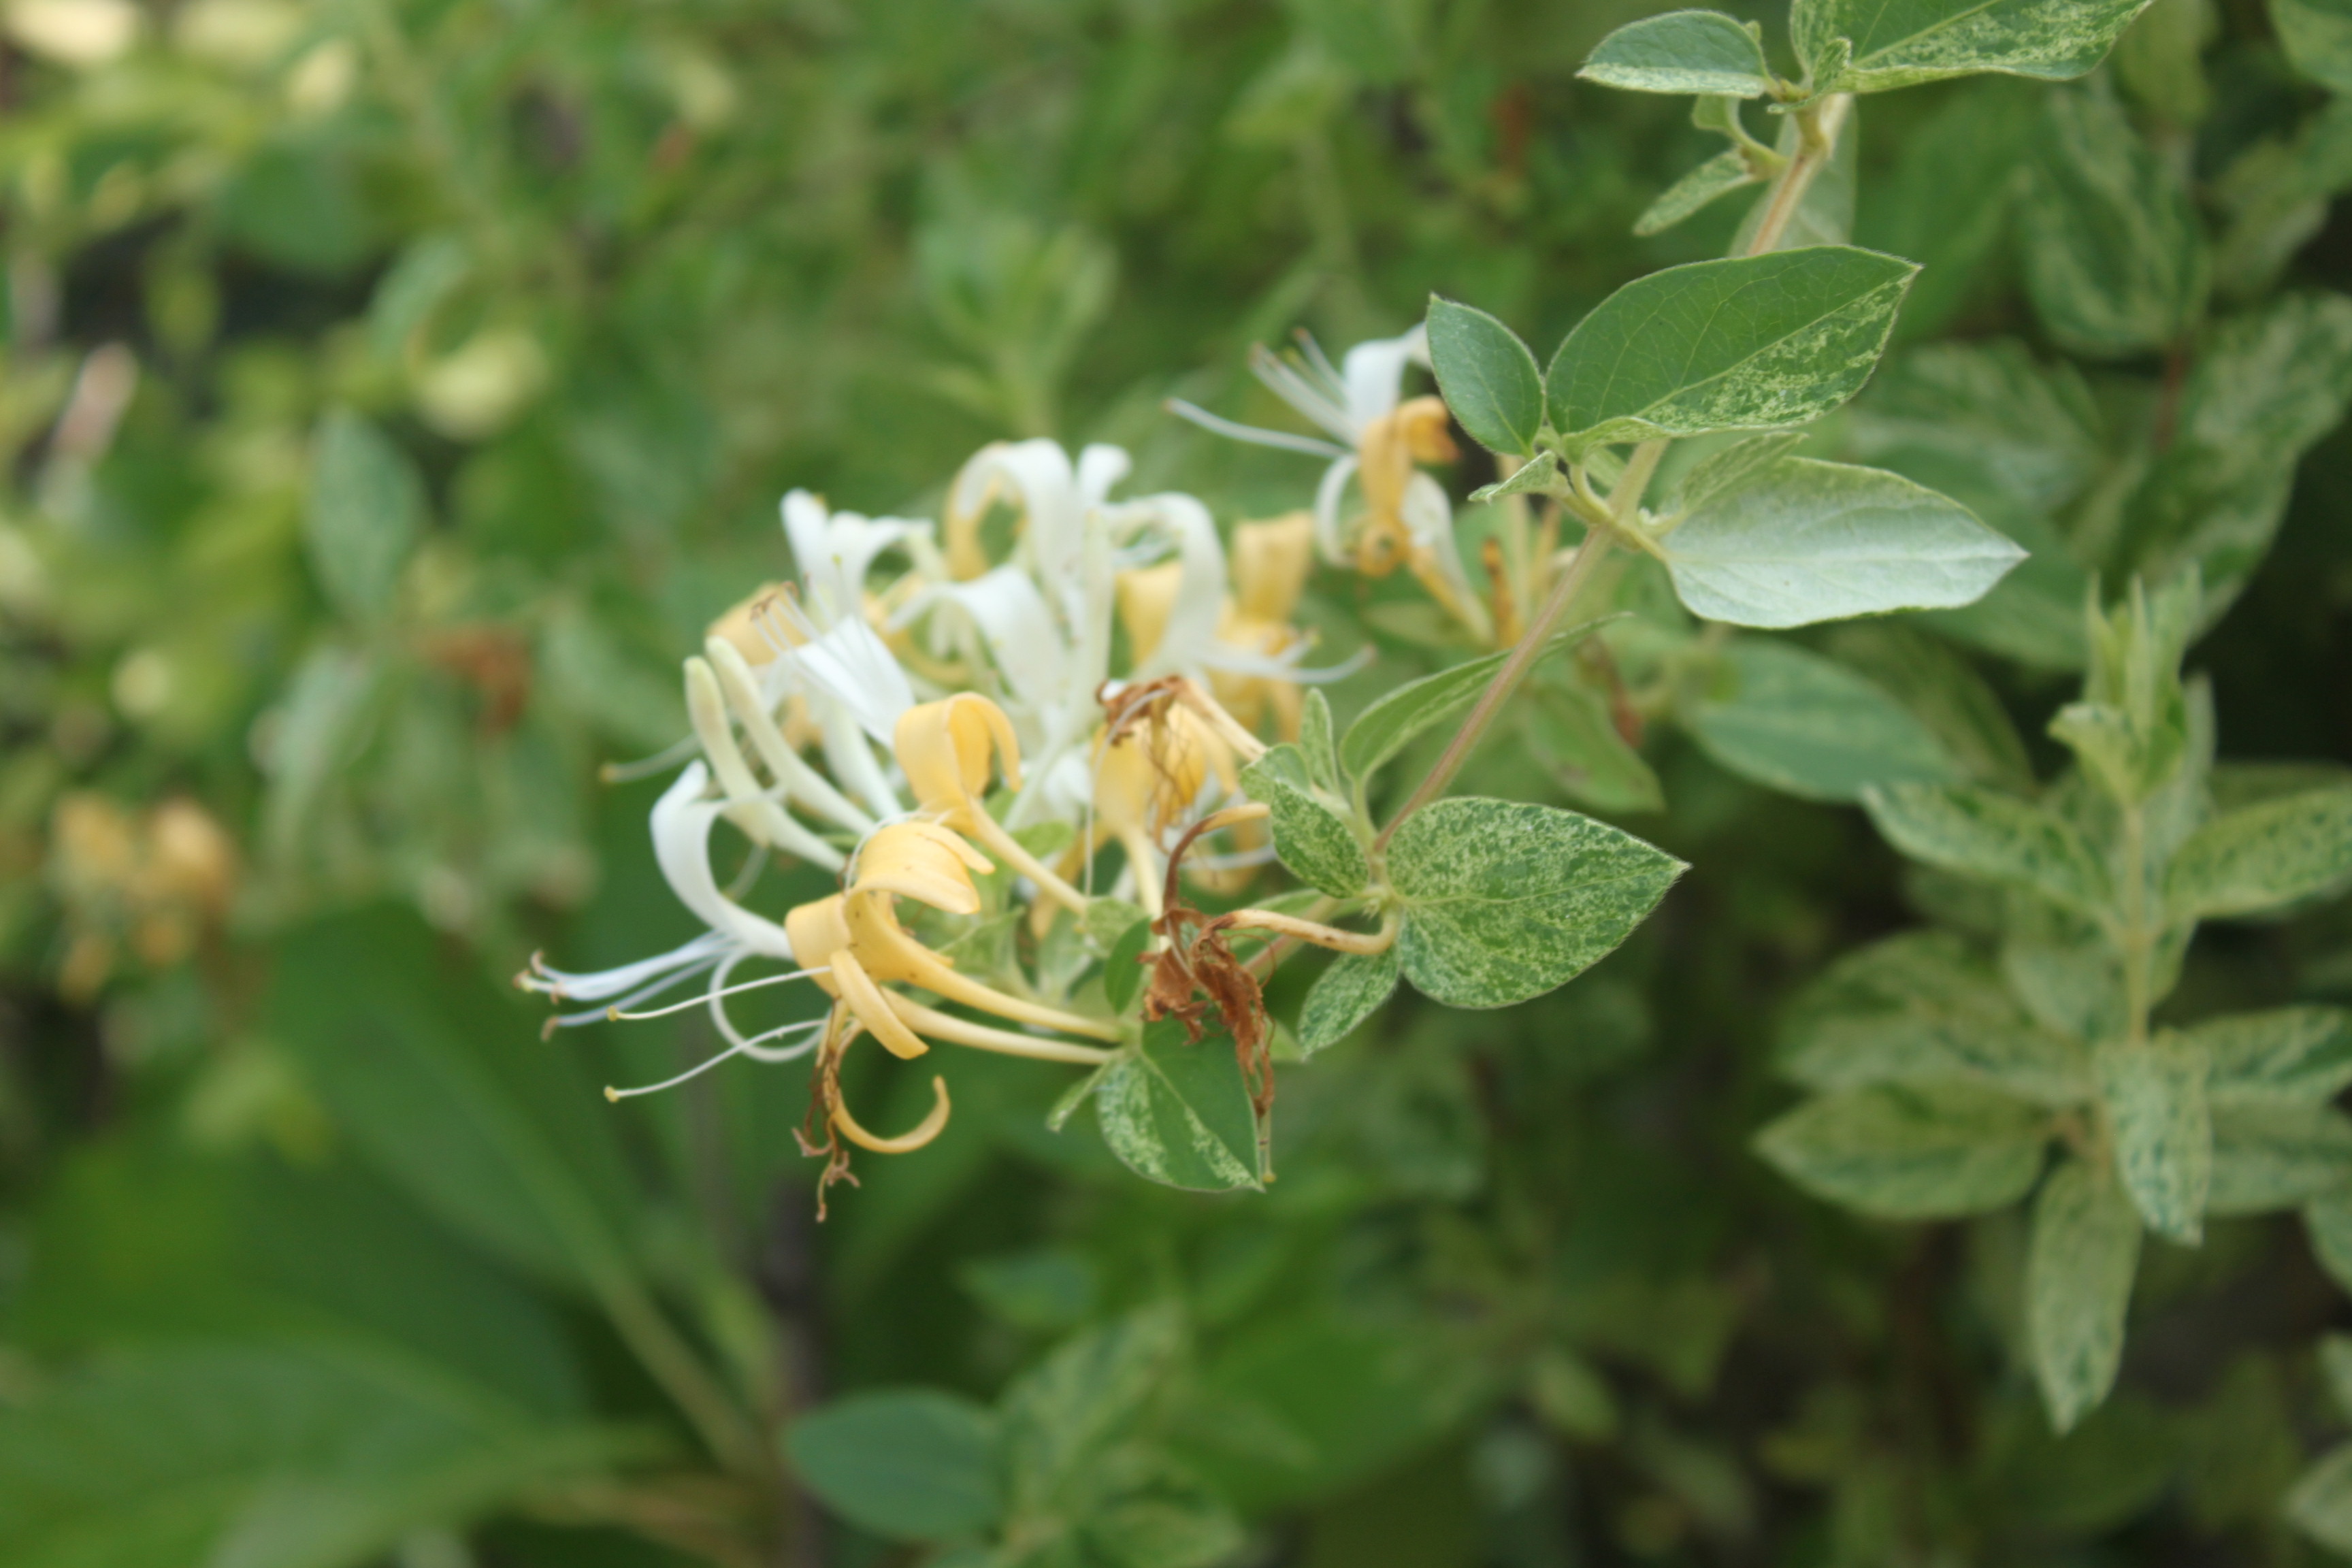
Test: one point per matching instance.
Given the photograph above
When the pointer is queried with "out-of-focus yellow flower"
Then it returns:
(154, 882)
(1270, 563)
(1413, 431)
(949, 749)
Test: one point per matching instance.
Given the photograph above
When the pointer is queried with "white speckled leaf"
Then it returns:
(2078, 1281)
(1791, 719)
(1682, 51)
(2156, 1104)
(2274, 1156)
(1177, 1113)
(2260, 856)
(1930, 1150)
(1312, 840)
(1742, 344)
(1352, 990)
(1901, 43)
(1984, 833)
(1821, 541)
(1505, 900)
(2287, 1053)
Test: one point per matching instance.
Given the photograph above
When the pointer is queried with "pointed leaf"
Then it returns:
(1682, 51)
(1812, 540)
(2275, 1156)
(1390, 725)
(366, 513)
(2288, 1053)
(1178, 1114)
(2078, 1282)
(1488, 376)
(2156, 1105)
(1505, 900)
(1930, 1150)
(1984, 833)
(1355, 987)
(1317, 747)
(1791, 719)
(1901, 43)
(1742, 344)
(1314, 841)
(2261, 857)
(1718, 176)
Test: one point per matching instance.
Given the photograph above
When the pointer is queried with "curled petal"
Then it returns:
(906, 1142)
(821, 930)
(871, 1006)
(926, 862)
(949, 749)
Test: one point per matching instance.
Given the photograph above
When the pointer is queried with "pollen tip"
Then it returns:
(612, 1014)
(547, 1030)
(612, 1095)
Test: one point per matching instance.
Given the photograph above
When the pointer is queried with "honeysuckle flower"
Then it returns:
(949, 749)
(1379, 434)
(836, 550)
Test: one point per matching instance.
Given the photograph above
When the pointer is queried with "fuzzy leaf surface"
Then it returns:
(1488, 376)
(2274, 1156)
(2261, 857)
(2156, 1104)
(1682, 51)
(1354, 987)
(2079, 1267)
(2287, 1053)
(1313, 841)
(1902, 43)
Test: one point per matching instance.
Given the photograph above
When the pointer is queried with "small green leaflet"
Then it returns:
(1177, 1112)
(2261, 857)
(1901, 43)
(2078, 1279)
(1741, 344)
(1313, 840)
(366, 515)
(2277, 1155)
(916, 1464)
(2116, 260)
(1793, 720)
(1683, 51)
(1536, 474)
(1984, 833)
(2288, 1053)
(1911, 1151)
(1123, 966)
(2318, 37)
(1488, 376)
(2155, 1099)
(1316, 746)
(1719, 175)
(1389, 725)
(1505, 900)
(1352, 990)
(1810, 540)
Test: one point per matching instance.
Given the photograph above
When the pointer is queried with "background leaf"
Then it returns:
(2086, 1252)
(1930, 1151)
(1681, 51)
(1796, 722)
(915, 1464)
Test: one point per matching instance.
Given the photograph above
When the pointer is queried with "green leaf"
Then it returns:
(1488, 376)
(1985, 422)
(1924, 1008)
(2318, 37)
(2265, 389)
(1123, 967)
(1505, 900)
(2156, 1105)
(1178, 1114)
(2115, 262)
(366, 515)
(1791, 719)
(1811, 540)
(1946, 199)
(1733, 468)
(1741, 344)
(1982, 833)
(1571, 730)
(1682, 51)
(1944, 692)
(2078, 1282)
(2328, 1220)
(1314, 842)
(2321, 1501)
(271, 1456)
(2261, 857)
(1063, 1421)
(1902, 43)
(1350, 990)
(915, 1464)
(2276, 1156)
(1390, 725)
(1536, 474)
(1930, 1150)
(1726, 171)
(1317, 747)
(2288, 1053)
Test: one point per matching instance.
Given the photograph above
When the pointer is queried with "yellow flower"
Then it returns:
(1270, 563)
(949, 749)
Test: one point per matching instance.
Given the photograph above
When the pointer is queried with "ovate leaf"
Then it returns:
(2115, 262)
(1901, 43)
(1505, 900)
(2288, 1053)
(2078, 1280)
(1733, 468)
(1682, 51)
(2155, 1097)
(2276, 1156)
(1791, 719)
(366, 513)
(1811, 540)
(1352, 990)
(1313, 839)
(1178, 1112)
(2261, 857)
(1911, 1151)
(1488, 376)
(916, 1464)
(1984, 833)
(1742, 344)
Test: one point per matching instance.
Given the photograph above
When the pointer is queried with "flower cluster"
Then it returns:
(959, 719)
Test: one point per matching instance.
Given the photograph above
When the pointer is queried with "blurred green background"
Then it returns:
(392, 390)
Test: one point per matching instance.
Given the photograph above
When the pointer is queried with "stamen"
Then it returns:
(642, 994)
(1285, 382)
(1255, 435)
(1318, 359)
(615, 1014)
(668, 757)
(565, 986)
